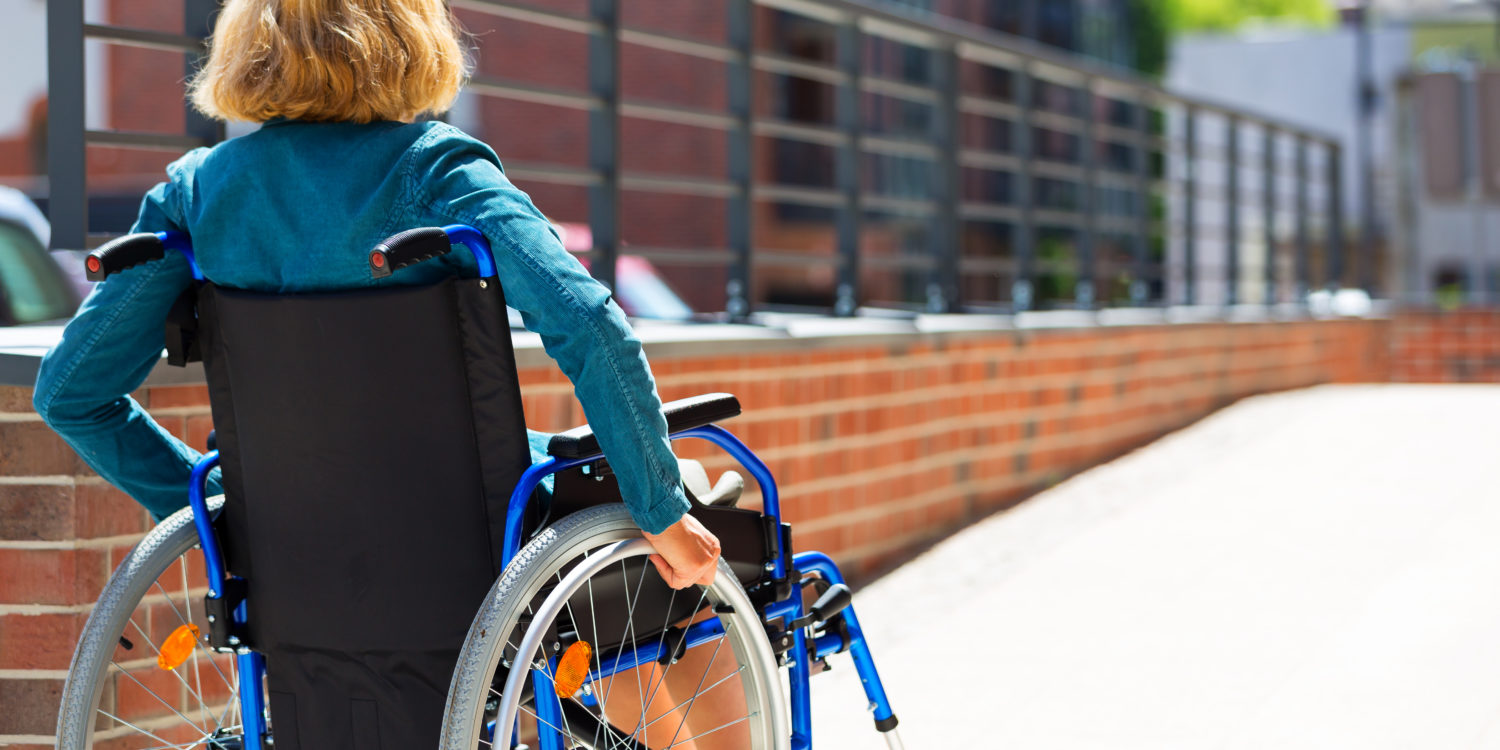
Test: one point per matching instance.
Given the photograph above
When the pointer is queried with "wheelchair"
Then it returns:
(378, 492)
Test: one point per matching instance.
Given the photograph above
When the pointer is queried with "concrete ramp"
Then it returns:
(1314, 569)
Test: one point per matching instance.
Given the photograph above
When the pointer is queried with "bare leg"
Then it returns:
(637, 698)
(673, 715)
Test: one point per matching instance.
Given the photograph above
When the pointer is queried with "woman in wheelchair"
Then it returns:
(376, 470)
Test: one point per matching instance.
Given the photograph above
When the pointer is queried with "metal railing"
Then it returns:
(1109, 191)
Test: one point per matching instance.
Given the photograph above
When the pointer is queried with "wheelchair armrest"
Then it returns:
(682, 414)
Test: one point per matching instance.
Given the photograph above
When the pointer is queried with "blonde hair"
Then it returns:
(331, 60)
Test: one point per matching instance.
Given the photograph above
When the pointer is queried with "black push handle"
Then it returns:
(123, 252)
(408, 248)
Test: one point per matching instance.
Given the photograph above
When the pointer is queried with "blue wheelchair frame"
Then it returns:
(252, 665)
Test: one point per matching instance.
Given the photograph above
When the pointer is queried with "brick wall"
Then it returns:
(1446, 347)
(879, 448)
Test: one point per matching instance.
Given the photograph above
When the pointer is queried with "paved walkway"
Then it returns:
(1316, 569)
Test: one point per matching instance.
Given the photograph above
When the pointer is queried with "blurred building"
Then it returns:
(1436, 199)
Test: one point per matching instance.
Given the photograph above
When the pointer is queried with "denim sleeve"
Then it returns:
(106, 351)
(459, 180)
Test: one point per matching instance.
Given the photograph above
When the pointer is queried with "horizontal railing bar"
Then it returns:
(894, 204)
(991, 265)
(143, 38)
(821, 134)
(1056, 121)
(795, 258)
(988, 159)
(1057, 170)
(680, 255)
(531, 14)
(555, 174)
(988, 212)
(676, 114)
(898, 146)
(535, 94)
(905, 33)
(660, 183)
(676, 44)
(889, 262)
(814, 9)
(1057, 217)
(1117, 134)
(898, 89)
(148, 141)
(988, 107)
(783, 65)
(826, 198)
(1115, 179)
(1116, 223)
(985, 54)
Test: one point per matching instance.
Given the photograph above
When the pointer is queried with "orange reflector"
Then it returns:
(573, 669)
(94, 264)
(178, 647)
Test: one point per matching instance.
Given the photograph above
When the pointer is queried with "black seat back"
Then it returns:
(369, 441)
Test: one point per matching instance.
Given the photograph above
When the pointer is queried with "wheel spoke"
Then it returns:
(153, 694)
(136, 728)
(740, 720)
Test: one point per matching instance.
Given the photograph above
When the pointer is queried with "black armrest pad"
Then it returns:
(682, 414)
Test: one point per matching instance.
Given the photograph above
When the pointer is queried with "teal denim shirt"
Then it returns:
(296, 207)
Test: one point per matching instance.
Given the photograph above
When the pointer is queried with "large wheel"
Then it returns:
(587, 581)
(118, 695)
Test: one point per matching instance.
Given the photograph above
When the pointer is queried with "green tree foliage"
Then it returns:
(1156, 21)
(1227, 15)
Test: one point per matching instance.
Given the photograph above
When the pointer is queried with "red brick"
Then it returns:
(15, 400)
(38, 641)
(103, 511)
(170, 396)
(33, 449)
(30, 706)
(32, 512)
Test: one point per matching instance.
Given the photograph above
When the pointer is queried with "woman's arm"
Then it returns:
(458, 180)
(106, 352)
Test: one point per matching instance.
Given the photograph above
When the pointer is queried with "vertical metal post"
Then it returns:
(1303, 271)
(1268, 211)
(740, 21)
(198, 20)
(850, 54)
(942, 287)
(1083, 292)
(1469, 114)
(1232, 206)
(1139, 286)
(1023, 232)
(1335, 261)
(1364, 140)
(67, 163)
(604, 138)
(1190, 206)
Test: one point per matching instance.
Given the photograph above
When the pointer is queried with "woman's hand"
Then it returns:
(686, 553)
